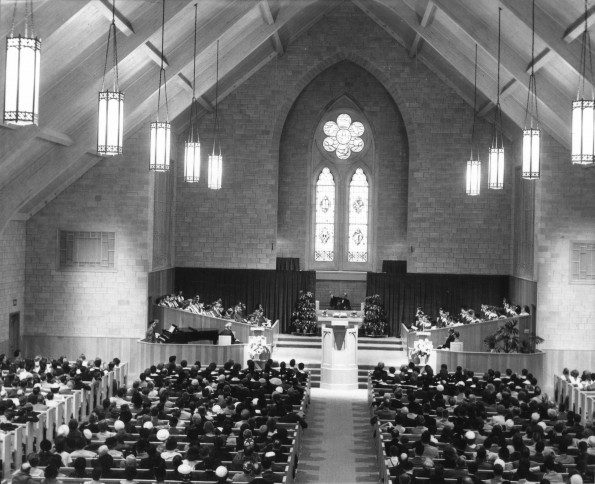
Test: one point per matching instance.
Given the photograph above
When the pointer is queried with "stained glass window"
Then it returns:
(358, 218)
(343, 137)
(324, 244)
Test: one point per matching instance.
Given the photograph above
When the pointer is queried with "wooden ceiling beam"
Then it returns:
(549, 31)
(425, 21)
(269, 19)
(443, 46)
(122, 23)
(576, 29)
(231, 56)
(154, 53)
(511, 64)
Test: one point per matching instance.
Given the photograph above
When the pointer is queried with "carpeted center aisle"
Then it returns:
(337, 446)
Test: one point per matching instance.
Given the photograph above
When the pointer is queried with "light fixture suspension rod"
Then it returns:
(162, 70)
(115, 51)
(216, 99)
(532, 93)
(585, 50)
(498, 112)
(474, 103)
(193, 103)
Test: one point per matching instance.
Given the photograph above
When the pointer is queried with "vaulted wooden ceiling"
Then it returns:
(37, 163)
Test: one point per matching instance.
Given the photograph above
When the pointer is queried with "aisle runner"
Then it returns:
(337, 445)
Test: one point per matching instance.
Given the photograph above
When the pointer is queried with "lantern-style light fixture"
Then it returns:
(496, 153)
(531, 134)
(192, 145)
(161, 130)
(583, 110)
(110, 120)
(23, 58)
(474, 164)
(216, 160)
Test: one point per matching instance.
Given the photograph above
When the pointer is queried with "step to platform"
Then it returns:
(308, 349)
(362, 375)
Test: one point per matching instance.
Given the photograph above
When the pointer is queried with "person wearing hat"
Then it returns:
(22, 476)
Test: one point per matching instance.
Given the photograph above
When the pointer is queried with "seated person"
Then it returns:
(228, 332)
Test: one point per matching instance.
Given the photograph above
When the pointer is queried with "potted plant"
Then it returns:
(506, 339)
(303, 319)
(374, 323)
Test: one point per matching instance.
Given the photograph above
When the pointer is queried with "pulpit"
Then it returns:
(339, 354)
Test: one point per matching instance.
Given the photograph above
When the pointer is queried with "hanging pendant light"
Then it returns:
(496, 153)
(21, 87)
(531, 133)
(474, 164)
(192, 145)
(216, 160)
(583, 141)
(161, 130)
(110, 122)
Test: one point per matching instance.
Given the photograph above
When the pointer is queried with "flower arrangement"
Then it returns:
(489, 312)
(257, 347)
(303, 319)
(422, 348)
(374, 316)
(422, 321)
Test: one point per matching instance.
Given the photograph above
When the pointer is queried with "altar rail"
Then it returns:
(482, 361)
(472, 335)
(186, 319)
(580, 401)
(77, 404)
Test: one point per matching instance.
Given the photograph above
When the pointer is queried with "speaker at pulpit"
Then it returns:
(339, 355)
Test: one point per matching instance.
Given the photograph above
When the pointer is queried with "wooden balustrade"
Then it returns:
(579, 401)
(77, 404)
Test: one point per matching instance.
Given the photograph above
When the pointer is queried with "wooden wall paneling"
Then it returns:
(481, 362)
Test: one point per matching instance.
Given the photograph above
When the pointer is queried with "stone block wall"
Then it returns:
(565, 212)
(422, 124)
(12, 270)
(112, 196)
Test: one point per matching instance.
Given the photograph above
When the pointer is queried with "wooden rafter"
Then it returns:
(425, 21)
(122, 23)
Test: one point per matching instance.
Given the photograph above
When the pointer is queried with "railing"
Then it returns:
(579, 401)
(472, 335)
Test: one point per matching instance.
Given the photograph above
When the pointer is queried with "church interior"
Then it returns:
(310, 104)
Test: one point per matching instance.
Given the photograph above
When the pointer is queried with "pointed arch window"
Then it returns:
(357, 250)
(324, 244)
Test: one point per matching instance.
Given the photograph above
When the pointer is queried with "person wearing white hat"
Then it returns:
(22, 476)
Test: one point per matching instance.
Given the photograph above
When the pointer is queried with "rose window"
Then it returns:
(343, 137)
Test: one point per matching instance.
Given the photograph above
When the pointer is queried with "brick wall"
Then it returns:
(12, 270)
(389, 158)
(448, 231)
(111, 196)
(565, 212)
